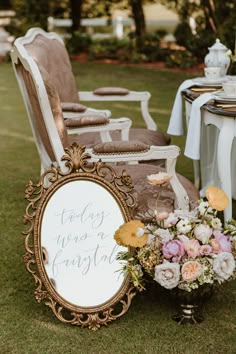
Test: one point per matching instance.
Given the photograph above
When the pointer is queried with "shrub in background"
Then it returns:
(78, 43)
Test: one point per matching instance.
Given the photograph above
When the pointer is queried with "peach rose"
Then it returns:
(215, 244)
(217, 198)
(191, 270)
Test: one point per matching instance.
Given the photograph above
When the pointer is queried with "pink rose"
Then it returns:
(173, 249)
(205, 250)
(192, 247)
(215, 244)
(225, 244)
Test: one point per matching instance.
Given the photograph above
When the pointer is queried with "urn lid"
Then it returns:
(218, 46)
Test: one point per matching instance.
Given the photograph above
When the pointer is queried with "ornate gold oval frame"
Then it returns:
(38, 195)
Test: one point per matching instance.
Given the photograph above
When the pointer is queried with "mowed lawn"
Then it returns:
(27, 327)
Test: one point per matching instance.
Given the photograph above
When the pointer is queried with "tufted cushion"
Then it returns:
(106, 91)
(147, 194)
(73, 107)
(86, 120)
(120, 146)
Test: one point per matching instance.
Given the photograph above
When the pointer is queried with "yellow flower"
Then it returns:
(131, 234)
(217, 198)
(159, 178)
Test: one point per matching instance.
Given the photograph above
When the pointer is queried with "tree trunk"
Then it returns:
(209, 11)
(76, 14)
(139, 19)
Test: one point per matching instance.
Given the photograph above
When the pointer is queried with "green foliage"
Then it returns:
(112, 48)
(78, 43)
(214, 19)
(181, 58)
(32, 12)
(196, 44)
(150, 46)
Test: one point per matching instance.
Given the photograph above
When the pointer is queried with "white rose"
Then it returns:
(216, 223)
(224, 265)
(184, 226)
(167, 274)
(203, 233)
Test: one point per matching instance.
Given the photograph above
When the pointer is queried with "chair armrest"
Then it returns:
(123, 124)
(102, 112)
(132, 96)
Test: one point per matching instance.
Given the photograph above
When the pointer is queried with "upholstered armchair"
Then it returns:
(49, 52)
(44, 110)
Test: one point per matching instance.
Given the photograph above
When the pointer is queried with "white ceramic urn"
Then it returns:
(217, 57)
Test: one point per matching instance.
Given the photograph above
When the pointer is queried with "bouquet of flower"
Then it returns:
(182, 249)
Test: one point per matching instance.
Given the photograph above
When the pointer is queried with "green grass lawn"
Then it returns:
(30, 328)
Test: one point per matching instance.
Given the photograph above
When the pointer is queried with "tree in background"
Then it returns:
(139, 19)
(214, 19)
(32, 12)
(5, 5)
(76, 14)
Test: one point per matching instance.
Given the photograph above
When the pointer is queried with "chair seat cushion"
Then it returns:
(73, 107)
(147, 194)
(86, 120)
(148, 137)
(107, 91)
(120, 146)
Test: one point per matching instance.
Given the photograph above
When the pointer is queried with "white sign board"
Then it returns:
(77, 232)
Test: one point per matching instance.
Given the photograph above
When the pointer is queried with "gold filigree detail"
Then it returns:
(78, 166)
(76, 158)
(95, 320)
(40, 295)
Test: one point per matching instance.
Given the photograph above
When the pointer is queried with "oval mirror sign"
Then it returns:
(70, 247)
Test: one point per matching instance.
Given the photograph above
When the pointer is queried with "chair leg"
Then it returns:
(196, 171)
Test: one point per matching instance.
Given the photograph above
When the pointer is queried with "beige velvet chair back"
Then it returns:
(51, 56)
(36, 109)
(43, 107)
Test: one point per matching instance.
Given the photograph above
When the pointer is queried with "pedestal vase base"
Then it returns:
(188, 314)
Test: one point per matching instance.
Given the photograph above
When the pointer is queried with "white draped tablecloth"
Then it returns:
(201, 140)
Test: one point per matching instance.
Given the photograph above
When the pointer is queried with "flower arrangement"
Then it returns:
(182, 249)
